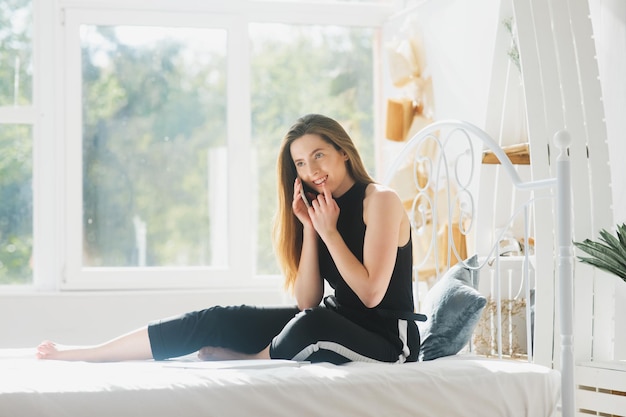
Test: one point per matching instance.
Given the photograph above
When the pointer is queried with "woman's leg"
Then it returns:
(323, 335)
(218, 333)
(131, 346)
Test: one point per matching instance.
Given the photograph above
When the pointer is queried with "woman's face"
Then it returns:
(320, 165)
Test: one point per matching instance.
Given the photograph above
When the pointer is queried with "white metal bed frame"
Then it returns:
(439, 167)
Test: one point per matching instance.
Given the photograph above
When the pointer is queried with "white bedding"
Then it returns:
(454, 386)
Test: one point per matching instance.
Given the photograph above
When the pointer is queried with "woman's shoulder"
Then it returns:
(382, 202)
(380, 194)
(376, 189)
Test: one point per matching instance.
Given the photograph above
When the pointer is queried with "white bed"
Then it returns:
(464, 384)
(455, 386)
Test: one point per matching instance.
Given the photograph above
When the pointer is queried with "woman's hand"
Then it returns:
(298, 206)
(324, 213)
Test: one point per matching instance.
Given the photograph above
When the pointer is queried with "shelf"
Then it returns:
(519, 154)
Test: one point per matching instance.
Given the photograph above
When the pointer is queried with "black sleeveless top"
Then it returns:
(399, 295)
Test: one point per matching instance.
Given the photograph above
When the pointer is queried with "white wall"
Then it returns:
(609, 24)
(93, 317)
(458, 43)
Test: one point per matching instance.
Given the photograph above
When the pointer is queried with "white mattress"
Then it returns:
(454, 386)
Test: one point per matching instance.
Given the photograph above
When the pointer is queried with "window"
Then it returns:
(148, 154)
(16, 142)
(154, 146)
(167, 120)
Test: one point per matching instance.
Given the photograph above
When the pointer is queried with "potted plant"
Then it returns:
(608, 253)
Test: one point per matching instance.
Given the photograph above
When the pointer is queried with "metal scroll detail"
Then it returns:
(442, 211)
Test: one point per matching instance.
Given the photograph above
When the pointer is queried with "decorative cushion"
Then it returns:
(453, 307)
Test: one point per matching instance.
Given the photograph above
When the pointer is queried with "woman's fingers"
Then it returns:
(327, 195)
(297, 185)
(324, 199)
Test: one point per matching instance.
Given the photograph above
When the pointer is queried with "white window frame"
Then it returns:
(239, 265)
(58, 176)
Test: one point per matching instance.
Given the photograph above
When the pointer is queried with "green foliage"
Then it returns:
(513, 51)
(16, 197)
(16, 52)
(149, 121)
(608, 253)
(16, 208)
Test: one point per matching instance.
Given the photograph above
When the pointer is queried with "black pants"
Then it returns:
(317, 335)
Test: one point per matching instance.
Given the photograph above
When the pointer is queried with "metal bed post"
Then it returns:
(565, 260)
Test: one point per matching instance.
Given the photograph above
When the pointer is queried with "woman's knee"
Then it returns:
(313, 320)
(306, 329)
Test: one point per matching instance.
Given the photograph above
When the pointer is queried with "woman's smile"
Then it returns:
(320, 181)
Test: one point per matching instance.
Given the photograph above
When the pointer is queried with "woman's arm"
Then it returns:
(309, 286)
(383, 215)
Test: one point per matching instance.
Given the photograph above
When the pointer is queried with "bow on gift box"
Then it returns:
(408, 71)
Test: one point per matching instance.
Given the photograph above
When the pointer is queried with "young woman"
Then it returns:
(334, 223)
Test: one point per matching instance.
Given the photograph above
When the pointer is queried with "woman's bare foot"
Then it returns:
(46, 350)
(211, 353)
(131, 346)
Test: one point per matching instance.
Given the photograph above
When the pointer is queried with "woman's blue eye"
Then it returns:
(318, 155)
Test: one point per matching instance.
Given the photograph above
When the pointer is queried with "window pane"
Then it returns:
(16, 204)
(154, 146)
(16, 65)
(298, 70)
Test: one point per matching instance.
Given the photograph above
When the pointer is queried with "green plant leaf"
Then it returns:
(602, 254)
(603, 266)
(608, 253)
(615, 245)
(621, 234)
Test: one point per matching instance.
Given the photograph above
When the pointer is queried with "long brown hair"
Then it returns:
(287, 231)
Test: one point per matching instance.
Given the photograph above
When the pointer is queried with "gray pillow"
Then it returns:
(453, 307)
